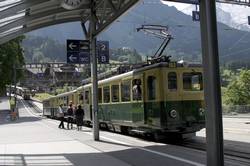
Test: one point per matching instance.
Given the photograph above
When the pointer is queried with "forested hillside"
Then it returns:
(233, 44)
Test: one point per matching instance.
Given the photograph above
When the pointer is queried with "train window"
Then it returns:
(65, 101)
(106, 94)
(137, 92)
(125, 90)
(151, 88)
(80, 97)
(100, 95)
(86, 97)
(192, 81)
(172, 81)
(115, 93)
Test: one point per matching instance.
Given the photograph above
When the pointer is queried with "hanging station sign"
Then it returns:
(78, 52)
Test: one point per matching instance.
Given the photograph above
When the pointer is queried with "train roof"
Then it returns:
(65, 93)
(61, 95)
(130, 73)
(148, 67)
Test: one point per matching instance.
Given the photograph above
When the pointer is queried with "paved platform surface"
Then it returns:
(4, 103)
(34, 140)
(37, 141)
(4, 110)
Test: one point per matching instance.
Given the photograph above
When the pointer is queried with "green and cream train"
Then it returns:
(159, 99)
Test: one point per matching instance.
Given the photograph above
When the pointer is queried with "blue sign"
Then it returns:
(103, 52)
(84, 57)
(73, 45)
(73, 57)
(78, 51)
(84, 45)
(196, 15)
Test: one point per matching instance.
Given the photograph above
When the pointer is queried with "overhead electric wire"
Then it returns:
(241, 38)
(236, 52)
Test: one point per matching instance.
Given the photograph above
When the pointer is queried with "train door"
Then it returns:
(87, 104)
(192, 95)
(152, 96)
(80, 98)
(106, 102)
(137, 96)
(173, 97)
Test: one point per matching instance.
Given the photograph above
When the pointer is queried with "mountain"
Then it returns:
(238, 16)
(235, 16)
(233, 43)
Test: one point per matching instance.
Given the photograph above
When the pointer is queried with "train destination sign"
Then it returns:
(78, 52)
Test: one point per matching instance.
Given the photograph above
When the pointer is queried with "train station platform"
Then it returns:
(4, 103)
(35, 140)
(4, 109)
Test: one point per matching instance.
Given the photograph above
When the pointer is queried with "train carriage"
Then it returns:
(159, 99)
(50, 105)
(25, 93)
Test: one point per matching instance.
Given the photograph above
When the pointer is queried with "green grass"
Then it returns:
(41, 96)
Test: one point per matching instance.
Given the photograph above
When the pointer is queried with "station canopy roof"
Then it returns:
(21, 16)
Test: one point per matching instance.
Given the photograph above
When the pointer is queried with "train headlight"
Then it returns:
(201, 111)
(173, 114)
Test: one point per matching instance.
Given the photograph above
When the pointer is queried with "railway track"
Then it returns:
(35, 108)
(239, 154)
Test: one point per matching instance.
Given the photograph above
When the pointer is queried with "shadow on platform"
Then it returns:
(127, 157)
(78, 159)
(6, 120)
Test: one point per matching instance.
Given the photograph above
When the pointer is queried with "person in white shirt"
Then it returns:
(61, 116)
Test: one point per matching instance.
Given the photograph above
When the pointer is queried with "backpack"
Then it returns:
(70, 111)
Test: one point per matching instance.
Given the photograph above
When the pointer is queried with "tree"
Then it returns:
(10, 53)
(127, 55)
(238, 91)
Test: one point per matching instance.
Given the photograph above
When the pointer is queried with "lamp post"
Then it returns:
(14, 70)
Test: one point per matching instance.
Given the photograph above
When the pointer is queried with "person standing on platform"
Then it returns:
(70, 116)
(79, 113)
(60, 115)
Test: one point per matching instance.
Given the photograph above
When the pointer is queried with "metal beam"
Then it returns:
(94, 74)
(210, 58)
(114, 15)
(19, 7)
(39, 13)
(21, 31)
(25, 20)
(85, 31)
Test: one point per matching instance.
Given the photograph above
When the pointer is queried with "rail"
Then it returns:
(239, 152)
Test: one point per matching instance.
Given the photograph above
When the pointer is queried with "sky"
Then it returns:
(238, 13)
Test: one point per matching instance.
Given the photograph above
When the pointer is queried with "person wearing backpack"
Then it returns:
(79, 113)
